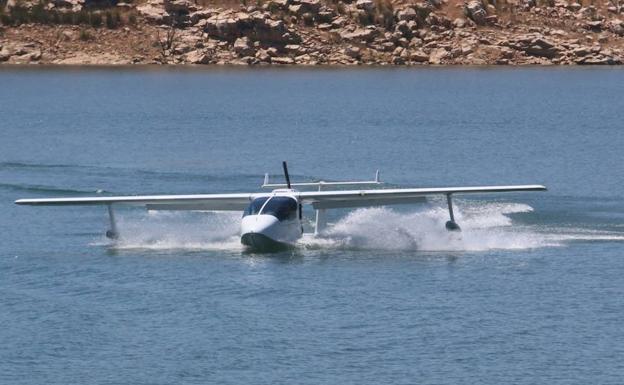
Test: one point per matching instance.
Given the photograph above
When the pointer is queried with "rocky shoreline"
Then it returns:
(314, 32)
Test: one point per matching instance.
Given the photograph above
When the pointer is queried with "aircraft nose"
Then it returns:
(260, 224)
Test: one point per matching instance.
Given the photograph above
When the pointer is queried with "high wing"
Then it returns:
(364, 198)
(225, 202)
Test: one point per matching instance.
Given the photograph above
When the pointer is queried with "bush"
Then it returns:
(132, 19)
(67, 18)
(81, 17)
(85, 35)
(4, 18)
(38, 14)
(110, 22)
(55, 18)
(96, 19)
(18, 15)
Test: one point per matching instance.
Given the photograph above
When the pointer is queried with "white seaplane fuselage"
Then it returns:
(272, 222)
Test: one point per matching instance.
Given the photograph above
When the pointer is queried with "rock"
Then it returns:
(154, 12)
(293, 49)
(197, 57)
(407, 14)
(278, 4)
(243, 47)
(437, 55)
(403, 28)
(598, 60)
(418, 56)
(574, 7)
(202, 14)
(617, 27)
(459, 23)
(73, 5)
(360, 34)
(595, 26)
(352, 51)
(492, 19)
(87, 58)
(535, 45)
(475, 11)
(68, 35)
(305, 6)
(179, 7)
(388, 46)
(263, 56)
(582, 51)
(367, 5)
(5, 54)
(282, 60)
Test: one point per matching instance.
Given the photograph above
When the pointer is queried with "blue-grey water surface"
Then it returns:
(531, 292)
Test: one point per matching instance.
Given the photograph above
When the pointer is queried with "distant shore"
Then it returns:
(312, 33)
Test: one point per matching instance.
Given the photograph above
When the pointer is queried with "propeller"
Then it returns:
(286, 173)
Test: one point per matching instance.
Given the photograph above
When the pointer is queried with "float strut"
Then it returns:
(451, 225)
(112, 232)
(320, 222)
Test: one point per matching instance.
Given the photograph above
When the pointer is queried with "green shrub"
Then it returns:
(96, 19)
(82, 17)
(18, 15)
(38, 14)
(67, 18)
(110, 22)
(55, 18)
(132, 19)
(4, 18)
(85, 35)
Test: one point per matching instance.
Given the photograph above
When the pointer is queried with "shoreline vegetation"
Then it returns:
(312, 32)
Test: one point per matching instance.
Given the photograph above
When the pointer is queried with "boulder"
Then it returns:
(407, 14)
(282, 60)
(197, 57)
(73, 5)
(307, 6)
(5, 54)
(179, 7)
(459, 23)
(243, 47)
(617, 27)
(418, 56)
(535, 45)
(438, 55)
(154, 12)
(263, 56)
(278, 4)
(352, 51)
(360, 34)
(202, 14)
(474, 10)
(367, 5)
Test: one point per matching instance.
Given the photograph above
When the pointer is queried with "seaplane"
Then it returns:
(274, 220)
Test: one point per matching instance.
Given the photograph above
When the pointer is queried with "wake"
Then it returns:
(485, 226)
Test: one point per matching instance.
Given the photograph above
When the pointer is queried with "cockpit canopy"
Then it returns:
(282, 208)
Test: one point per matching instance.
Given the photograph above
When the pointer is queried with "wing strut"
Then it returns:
(451, 225)
(112, 233)
(320, 222)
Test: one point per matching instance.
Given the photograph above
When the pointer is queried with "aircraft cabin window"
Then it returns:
(255, 206)
(283, 208)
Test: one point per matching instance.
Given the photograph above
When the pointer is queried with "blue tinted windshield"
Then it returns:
(255, 206)
(283, 208)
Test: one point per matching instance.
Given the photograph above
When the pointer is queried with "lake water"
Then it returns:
(531, 292)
